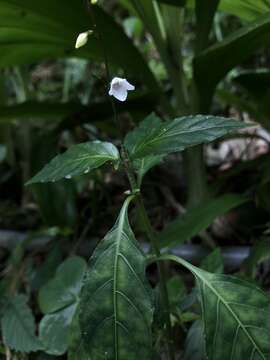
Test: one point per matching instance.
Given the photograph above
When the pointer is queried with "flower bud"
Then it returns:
(82, 39)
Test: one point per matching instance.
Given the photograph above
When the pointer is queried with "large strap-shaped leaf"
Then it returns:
(32, 30)
(198, 219)
(116, 304)
(235, 314)
(247, 10)
(156, 137)
(225, 55)
(78, 160)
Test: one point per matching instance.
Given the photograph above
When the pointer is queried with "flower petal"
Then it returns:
(128, 86)
(119, 88)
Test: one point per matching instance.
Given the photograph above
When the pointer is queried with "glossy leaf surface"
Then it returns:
(18, 326)
(78, 160)
(116, 302)
(154, 137)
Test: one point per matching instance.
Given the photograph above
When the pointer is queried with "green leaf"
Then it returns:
(31, 32)
(116, 300)
(227, 54)
(142, 166)
(260, 252)
(59, 300)
(176, 291)
(214, 262)
(18, 326)
(78, 160)
(64, 288)
(198, 219)
(247, 10)
(235, 315)
(154, 137)
(194, 345)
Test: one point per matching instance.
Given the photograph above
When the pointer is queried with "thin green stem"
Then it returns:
(151, 235)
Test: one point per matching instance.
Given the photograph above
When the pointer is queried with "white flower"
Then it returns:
(82, 39)
(119, 88)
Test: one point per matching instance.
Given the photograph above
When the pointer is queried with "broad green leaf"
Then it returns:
(176, 291)
(214, 262)
(260, 252)
(18, 326)
(54, 330)
(194, 345)
(247, 10)
(75, 345)
(154, 137)
(59, 300)
(198, 219)
(142, 166)
(78, 160)
(235, 315)
(224, 56)
(116, 306)
(32, 31)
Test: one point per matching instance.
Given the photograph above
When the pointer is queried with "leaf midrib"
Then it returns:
(196, 273)
(115, 276)
(163, 135)
(232, 313)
